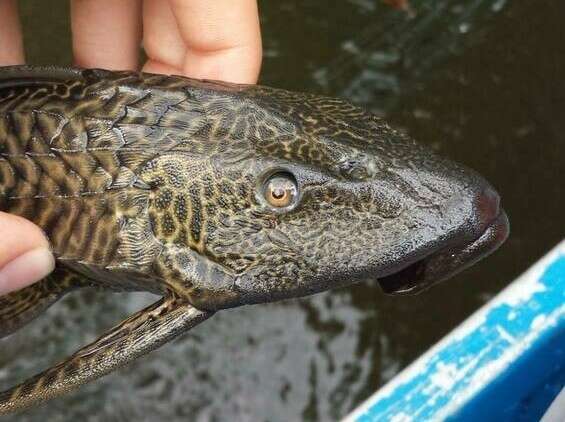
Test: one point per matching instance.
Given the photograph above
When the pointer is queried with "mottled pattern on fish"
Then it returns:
(217, 195)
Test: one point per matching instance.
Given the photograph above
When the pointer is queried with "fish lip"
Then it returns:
(441, 264)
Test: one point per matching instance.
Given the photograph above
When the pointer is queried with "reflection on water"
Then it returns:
(388, 60)
(481, 81)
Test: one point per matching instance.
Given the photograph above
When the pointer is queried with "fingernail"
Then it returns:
(26, 269)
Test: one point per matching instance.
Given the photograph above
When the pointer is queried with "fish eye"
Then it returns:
(280, 190)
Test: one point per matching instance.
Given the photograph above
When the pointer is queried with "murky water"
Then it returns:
(480, 81)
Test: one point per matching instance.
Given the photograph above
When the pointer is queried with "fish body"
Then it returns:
(216, 195)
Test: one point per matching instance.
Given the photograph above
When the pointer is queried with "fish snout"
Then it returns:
(487, 207)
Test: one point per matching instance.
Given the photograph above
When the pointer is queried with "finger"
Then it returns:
(222, 38)
(106, 33)
(11, 44)
(162, 41)
(25, 256)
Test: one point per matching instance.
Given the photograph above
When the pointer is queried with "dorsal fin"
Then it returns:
(33, 75)
(21, 75)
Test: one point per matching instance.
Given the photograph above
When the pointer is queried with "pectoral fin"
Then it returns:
(136, 336)
(20, 307)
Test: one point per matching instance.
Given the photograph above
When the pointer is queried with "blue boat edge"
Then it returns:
(506, 362)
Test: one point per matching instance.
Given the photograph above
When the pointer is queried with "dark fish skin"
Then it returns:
(160, 183)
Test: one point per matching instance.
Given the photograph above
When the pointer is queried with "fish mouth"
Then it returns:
(443, 263)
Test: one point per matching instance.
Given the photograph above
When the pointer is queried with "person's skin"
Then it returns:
(212, 39)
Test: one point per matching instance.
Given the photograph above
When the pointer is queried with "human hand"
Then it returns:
(212, 39)
(25, 256)
(217, 39)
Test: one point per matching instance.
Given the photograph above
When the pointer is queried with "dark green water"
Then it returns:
(480, 81)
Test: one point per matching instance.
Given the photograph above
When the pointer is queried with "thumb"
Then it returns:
(25, 256)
